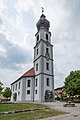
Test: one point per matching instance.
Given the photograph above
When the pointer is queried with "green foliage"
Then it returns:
(34, 115)
(1, 88)
(57, 98)
(72, 83)
(48, 96)
(19, 106)
(51, 96)
(7, 92)
(15, 96)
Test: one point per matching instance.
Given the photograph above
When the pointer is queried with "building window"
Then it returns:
(18, 93)
(36, 82)
(13, 88)
(47, 50)
(28, 83)
(19, 85)
(37, 51)
(38, 38)
(35, 91)
(37, 67)
(47, 82)
(16, 87)
(46, 36)
(28, 91)
(47, 66)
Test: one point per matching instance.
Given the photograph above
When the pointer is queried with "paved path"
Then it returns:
(74, 112)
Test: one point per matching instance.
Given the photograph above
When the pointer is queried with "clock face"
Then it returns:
(47, 56)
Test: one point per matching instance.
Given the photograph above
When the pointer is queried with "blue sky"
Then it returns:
(18, 20)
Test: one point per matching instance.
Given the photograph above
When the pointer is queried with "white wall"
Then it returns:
(42, 35)
(23, 89)
(29, 97)
(19, 96)
(45, 85)
(36, 96)
(42, 74)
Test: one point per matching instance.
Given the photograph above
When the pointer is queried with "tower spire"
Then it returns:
(42, 10)
(43, 22)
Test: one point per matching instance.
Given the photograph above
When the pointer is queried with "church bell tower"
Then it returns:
(43, 59)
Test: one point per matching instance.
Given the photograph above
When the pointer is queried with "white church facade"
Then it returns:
(32, 85)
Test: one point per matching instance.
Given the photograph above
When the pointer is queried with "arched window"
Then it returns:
(37, 67)
(47, 82)
(36, 82)
(37, 51)
(46, 36)
(47, 66)
(28, 83)
(47, 50)
(38, 38)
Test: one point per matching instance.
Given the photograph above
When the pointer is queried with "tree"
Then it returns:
(1, 88)
(51, 96)
(48, 96)
(7, 92)
(72, 83)
(15, 96)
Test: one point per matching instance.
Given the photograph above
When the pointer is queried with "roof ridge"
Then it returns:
(29, 73)
(32, 69)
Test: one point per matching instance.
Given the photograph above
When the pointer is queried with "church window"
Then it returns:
(19, 85)
(16, 87)
(47, 50)
(36, 82)
(13, 88)
(38, 38)
(47, 81)
(28, 83)
(37, 67)
(18, 93)
(28, 91)
(37, 51)
(46, 36)
(47, 66)
(35, 91)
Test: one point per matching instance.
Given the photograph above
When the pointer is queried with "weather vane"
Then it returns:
(42, 10)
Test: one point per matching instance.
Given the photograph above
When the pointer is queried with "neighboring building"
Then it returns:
(59, 90)
(60, 93)
(32, 85)
(2, 98)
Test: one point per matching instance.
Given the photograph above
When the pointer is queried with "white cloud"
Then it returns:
(17, 30)
(24, 5)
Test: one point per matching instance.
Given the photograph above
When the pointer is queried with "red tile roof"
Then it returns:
(29, 73)
(59, 88)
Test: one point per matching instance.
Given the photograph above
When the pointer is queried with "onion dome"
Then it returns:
(43, 22)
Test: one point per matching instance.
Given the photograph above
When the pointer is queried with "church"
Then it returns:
(31, 86)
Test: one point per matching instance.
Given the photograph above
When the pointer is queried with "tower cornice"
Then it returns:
(45, 31)
(46, 42)
(42, 56)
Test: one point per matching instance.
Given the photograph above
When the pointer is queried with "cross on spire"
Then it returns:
(42, 10)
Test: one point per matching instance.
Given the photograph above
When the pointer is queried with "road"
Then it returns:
(74, 112)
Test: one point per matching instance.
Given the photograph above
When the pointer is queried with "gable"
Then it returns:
(29, 73)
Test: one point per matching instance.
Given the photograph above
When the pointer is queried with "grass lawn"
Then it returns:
(19, 106)
(33, 115)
